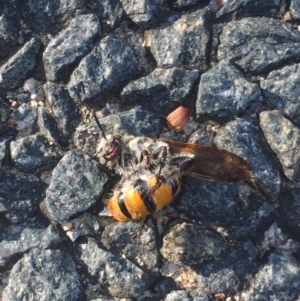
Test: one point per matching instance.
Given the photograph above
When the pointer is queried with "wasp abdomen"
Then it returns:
(143, 197)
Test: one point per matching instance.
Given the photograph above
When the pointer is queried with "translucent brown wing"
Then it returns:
(212, 163)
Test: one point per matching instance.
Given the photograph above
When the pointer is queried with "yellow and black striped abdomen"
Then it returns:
(143, 197)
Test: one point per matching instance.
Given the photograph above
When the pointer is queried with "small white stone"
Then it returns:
(73, 235)
(47, 180)
(179, 240)
(66, 226)
(172, 267)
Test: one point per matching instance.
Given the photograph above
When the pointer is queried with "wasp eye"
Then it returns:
(112, 148)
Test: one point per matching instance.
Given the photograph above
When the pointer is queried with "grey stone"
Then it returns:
(19, 197)
(140, 122)
(44, 275)
(289, 209)
(15, 240)
(243, 138)
(284, 139)
(33, 153)
(259, 44)
(282, 88)
(237, 9)
(64, 109)
(295, 9)
(277, 279)
(9, 29)
(15, 70)
(181, 4)
(117, 275)
(162, 90)
(76, 184)
(209, 201)
(43, 16)
(143, 251)
(143, 12)
(62, 53)
(189, 244)
(184, 42)
(203, 135)
(225, 93)
(251, 223)
(189, 295)
(110, 13)
(6, 135)
(110, 65)
(23, 111)
(4, 112)
(228, 273)
(48, 127)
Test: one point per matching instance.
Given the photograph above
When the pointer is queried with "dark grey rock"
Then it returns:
(165, 285)
(251, 223)
(19, 96)
(117, 275)
(44, 275)
(189, 295)
(33, 153)
(4, 112)
(209, 201)
(238, 9)
(282, 88)
(110, 12)
(259, 44)
(278, 279)
(228, 273)
(189, 244)
(184, 42)
(139, 122)
(179, 4)
(295, 9)
(243, 138)
(6, 135)
(116, 238)
(143, 12)
(162, 90)
(64, 109)
(15, 70)
(225, 93)
(23, 111)
(42, 16)
(19, 197)
(203, 135)
(289, 209)
(110, 65)
(76, 184)
(63, 52)
(48, 127)
(284, 139)
(18, 239)
(9, 29)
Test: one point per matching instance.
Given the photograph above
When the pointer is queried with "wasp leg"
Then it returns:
(99, 124)
(162, 152)
(145, 158)
(138, 232)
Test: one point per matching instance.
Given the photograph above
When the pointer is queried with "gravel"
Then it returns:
(235, 64)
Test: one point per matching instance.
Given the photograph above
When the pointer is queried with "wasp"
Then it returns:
(152, 171)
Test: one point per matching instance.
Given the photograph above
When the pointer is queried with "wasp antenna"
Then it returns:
(99, 124)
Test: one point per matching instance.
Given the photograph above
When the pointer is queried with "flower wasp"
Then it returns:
(152, 170)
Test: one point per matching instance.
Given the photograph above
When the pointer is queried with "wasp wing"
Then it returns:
(212, 163)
